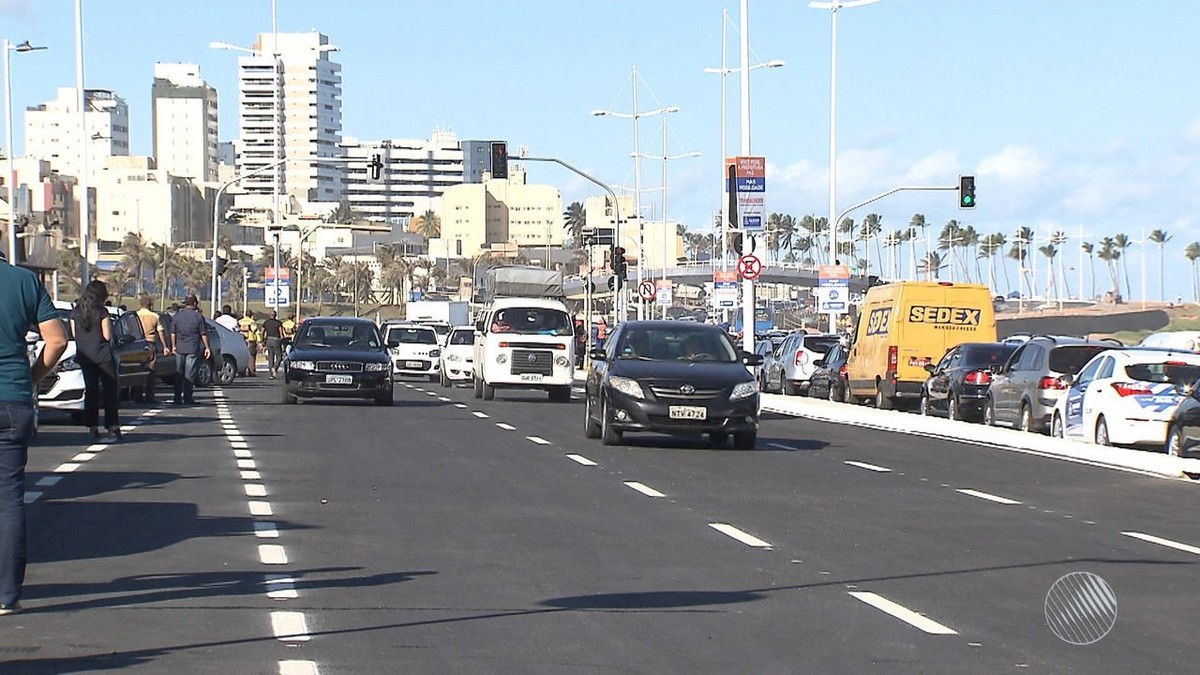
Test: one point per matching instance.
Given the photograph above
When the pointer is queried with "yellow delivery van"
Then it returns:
(905, 325)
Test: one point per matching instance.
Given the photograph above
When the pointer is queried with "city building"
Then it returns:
(412, 178)
(477, 160)
(184, 122)
(52, 130)
(134, 196)
(292, 112)
(498, 215)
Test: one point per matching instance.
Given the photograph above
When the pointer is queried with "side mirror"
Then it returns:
(598, 355)
(819, 363)
(479, 326)
(930, 368)
(749, 359)
(1067, 379)
(393, 341)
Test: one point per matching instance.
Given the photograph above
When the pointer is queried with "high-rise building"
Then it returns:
(185, 122)
(52, 130)
(293, 112)
(413, 175)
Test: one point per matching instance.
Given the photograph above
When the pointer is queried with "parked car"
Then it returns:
(415, 350)
(1183, 432)
(1180, 340)
(672, 377)
(958, 384)
(792, 364)
(829, 379)
(764, 348)
(215, 370)
(1026, 388)
(337, 358)
(233, 350)
(1125, 396)
(457, 359)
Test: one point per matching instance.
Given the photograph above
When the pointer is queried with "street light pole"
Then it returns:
(85, 208)
(10, 179)
(748, 300)
(666, 231)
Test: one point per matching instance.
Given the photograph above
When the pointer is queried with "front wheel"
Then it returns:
(923, 406)
(478, 392)
(1175, 442)
(384, 399)
(445, 380)
(608, 434)
(591, 428)
(287, 398)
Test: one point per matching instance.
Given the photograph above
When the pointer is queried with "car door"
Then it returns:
(938, 384)
(132, 350)
(775, 375)
(1003, 387)
(1074, 400)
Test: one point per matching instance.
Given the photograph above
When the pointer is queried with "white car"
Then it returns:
(235, 353)
(414, 349)
(1124, 396)
(458, 356)
(440, 327)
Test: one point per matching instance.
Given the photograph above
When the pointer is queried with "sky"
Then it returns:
(1072, 114)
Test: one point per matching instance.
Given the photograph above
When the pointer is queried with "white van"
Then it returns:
(525, 343)
(1179, 340)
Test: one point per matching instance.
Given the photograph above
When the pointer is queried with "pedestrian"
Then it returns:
(93, 331)
(153, 329)
(289, 328)
(272, 332)
(249, 328)
(227, 319)
(24, 303)
(189, 343)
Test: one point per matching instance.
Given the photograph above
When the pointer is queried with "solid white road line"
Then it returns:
(581, 459)
(644, 489)
(272, 554)
(506, 427)
(298, 668)
(537, 439)
(868, 467)
(903, 613)
(747, 539)
(260, 508)
(990, 498)
(480, 415)
(289, 626)
(265, 530)
(256, 490)
(1187, 548)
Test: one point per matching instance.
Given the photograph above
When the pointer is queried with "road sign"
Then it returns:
(284, 274)
(751, 188)
(749, 266)
(277, 294)
(725, 289)
(646, 290)
(833, 289)
(664, 292)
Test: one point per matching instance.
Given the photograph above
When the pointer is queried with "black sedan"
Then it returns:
(1183, 433)
(829, 379)
(958, 385)
(337, 358)
(672, 377)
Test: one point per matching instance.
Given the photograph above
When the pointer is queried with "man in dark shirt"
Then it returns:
(23, 305)
(189, 343)
(272, 331)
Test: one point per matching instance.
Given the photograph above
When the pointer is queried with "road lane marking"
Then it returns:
(747, 539)
(460, 405)
(95, 448)
(644, 489)
(537, 439)
(1186, 548)
(66, 467)
(234, 438)
(261, 508)
(903, 613)
(48, 481)
(241, 452)
(256, 490)
(265, 530)
(581, 459)
(781, 446)
(32, 496)
(281, 587)
(246, 464)
(506, 427)
(289, 626)
(292, 667)
(443, 399)
(432, 393)
(83, 457)
(251, 475)
(988, 497)
(869, 467)
(480, 415)
(272, 554)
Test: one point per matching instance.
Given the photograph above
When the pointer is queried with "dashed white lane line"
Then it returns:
(66, 467)
(98, 447)
(261, 508)
(246, 464)
(431, 393)
(233, 438)
(781, 446)
(255, 490)
(643, 488)
(32, 496)
(1186, 548)
(289, 626)
(460, 405)
(83, 457)
(903, 613)
(443, 399)
(292, 667)
(537, 439)
(868, 467)
(250, 475)
(481, 415)
(506, 427)
(242, 452)
(272, 554)
(265, 530)
(281, 587)
(581, 459)
(48, 481)
(745, 538)
(989, 497)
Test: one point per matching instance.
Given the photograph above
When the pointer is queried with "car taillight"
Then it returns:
(801, 357)
(842, 370)
(893, 357)
(977, 377)
(1131, 389)
(1048, 382)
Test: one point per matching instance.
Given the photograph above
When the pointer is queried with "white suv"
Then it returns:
(414, 350)
(458, 362)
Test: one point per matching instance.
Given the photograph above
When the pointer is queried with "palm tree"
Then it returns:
(429, 225)
(1160, 237)
(134, 252)
(1123, 242)
(998, 242)
(1022, 240)
(70, 269)
(989, 245)
(846, 242)
(574, 219)
(872, 227)
(1059, 240)
(1088, 248)
(1050, 251)
(931, 265)
(948, 240)
(917, 222)
(1192, 253)
(891, 242)
(1110, 254)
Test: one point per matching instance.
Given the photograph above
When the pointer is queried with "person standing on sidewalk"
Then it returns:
(153, 329)
(272, 332)
(93, 331)
(189, 343)
(249, 328)
(24, 304)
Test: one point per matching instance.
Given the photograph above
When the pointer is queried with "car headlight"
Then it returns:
(743, 390)
(452, 357)
(626, 386)
(304, 365)
(375, 367)
(434, 353)
(68, 364)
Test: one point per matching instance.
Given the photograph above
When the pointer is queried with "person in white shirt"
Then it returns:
(227, 319)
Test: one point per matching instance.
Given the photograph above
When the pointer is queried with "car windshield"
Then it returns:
(985, 356)
(675, 344)
(532, 321)
(462, 337)
(403, 335)
(820, 345)
(1173, 372)
(338, 336)
(1069, 360)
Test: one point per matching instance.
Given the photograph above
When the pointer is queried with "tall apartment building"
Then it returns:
(52, 130)
(413, 177)
(498, 215)
(297, 106)
(185, 122)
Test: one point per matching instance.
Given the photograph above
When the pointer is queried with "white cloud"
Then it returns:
(1013, 164)
(940, 166)
(1192, 133)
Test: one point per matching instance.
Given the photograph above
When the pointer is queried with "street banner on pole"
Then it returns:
(725, 289)
(663, 294)
(833, 289)
(751, 188)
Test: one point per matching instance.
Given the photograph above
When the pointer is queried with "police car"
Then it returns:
(1124, 396)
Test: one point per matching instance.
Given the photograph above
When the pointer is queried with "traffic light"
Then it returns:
(499, 159)
(221, 265)
(966, 192)
(619, 265)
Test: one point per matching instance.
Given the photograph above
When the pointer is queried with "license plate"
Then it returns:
(531, 377)
(414, 364)
(339, 379)
(687, 412)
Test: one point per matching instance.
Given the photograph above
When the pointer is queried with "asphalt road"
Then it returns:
(448, 534)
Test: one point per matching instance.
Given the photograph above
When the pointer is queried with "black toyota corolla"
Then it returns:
(672, 377)
(337, 358)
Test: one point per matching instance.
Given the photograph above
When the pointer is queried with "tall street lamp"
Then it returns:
(833, 6)
(9, 48)
(635, 115)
